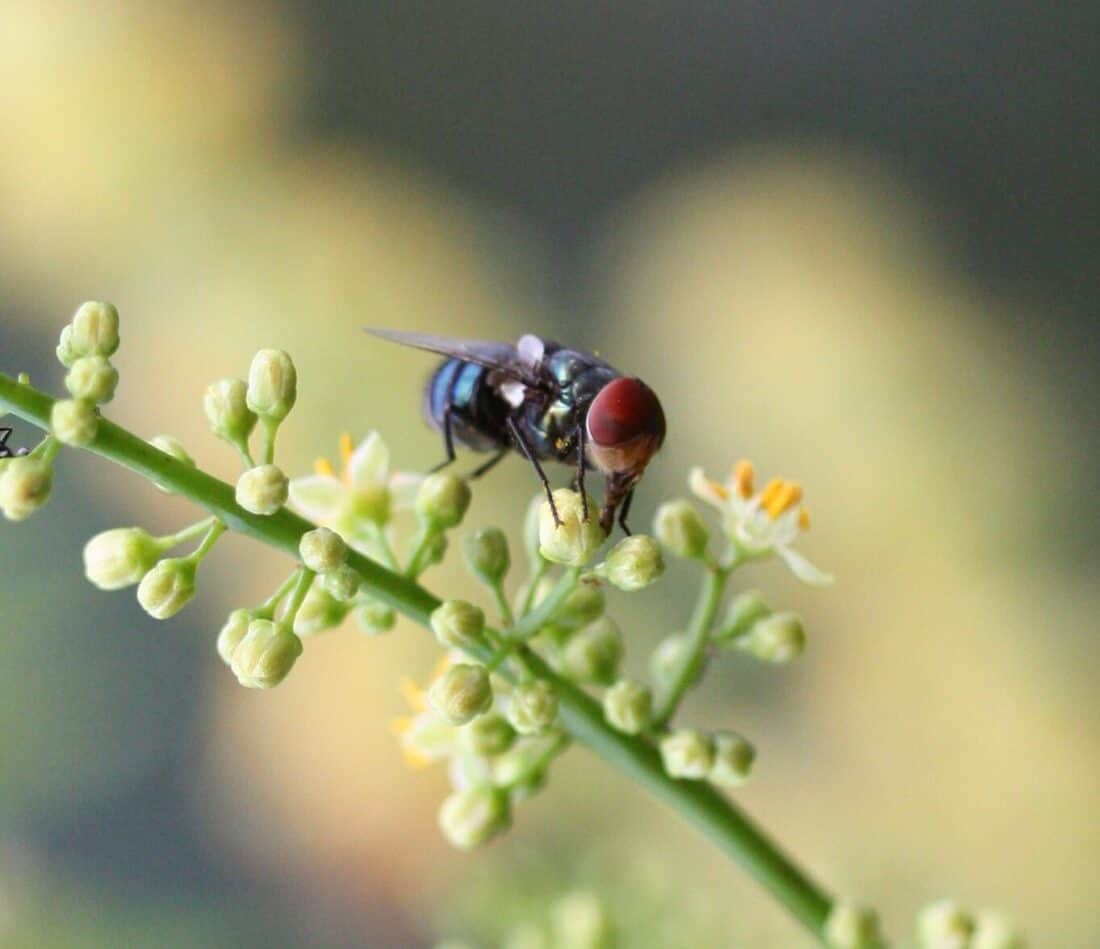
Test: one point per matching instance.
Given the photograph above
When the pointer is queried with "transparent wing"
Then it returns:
(500, 356)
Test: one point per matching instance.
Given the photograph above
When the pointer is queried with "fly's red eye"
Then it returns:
(624, 410)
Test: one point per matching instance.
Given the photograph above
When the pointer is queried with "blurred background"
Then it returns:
(858, 244)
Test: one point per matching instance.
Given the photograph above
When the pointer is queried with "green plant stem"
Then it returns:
(698, 633)
(302, 583)
(699, 803)
(532, 621)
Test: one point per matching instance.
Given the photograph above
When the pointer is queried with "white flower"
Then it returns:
(760, 524)
(359, 502)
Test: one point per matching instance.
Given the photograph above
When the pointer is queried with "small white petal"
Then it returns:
(705, 489)
(369, 464)
(316, 496)
(404, 486)
(803, 569)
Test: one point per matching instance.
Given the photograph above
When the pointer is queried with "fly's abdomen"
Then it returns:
(477, 412)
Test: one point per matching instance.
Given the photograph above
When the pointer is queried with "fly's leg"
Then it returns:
(521, 444)
(580, 470)
(491, 463)
(448, 440)
(624, 510)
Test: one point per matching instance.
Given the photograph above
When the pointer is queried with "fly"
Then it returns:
(549, 403)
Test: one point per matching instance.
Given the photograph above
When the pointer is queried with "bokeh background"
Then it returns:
(858, 244)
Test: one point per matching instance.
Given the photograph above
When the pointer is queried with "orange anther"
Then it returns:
(743, 478)
(323, 466)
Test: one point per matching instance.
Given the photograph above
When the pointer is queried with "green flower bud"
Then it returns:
(667, 658)
(733, 758)
(472, 817)
(994, 931)
(592, 654)
(375, 617)
(462, 693)
(852, 927)
(744, 610)
(120, 557)
(486, 554)
(92, 378)
(581, 923)
(167, 587)
(226, 408)
(94, 330)
(343, 582)
(266, 654)
(442, 500)
(232, 633)
(320, 611)
(25, 484)
(66, 354)
(534, 707)
(584, 605)
(944, 925)
(628, 706)
(776, 638)
(633, 564)
(322, 550)
(263, 489)
(574, 540)
(680, 528)
(458, 624)
(687, 753)
(272, 384)
(171, 446)
(74, 421)
(487, 735)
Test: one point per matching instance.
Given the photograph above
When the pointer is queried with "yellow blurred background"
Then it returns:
(796, 296)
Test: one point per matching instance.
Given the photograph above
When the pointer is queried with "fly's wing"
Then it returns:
(501, 357)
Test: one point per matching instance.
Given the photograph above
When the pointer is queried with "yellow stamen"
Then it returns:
(782, 498)
(323, 466)
(346, 449)
(412, 693)
(743, 478)
(414, 758)
(804, 519)
(401, 725)
(771, 489)
(719, 489)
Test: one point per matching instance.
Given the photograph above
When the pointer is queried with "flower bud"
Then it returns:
(94, 330)
(744, 610)
(852, 927)
(486, 554)
(667, 658)
(234, 630)
(120, 557)
(687, 753)
(487, 735)
(375, 617)
(442, 500)
(633, 564)
(574, 540)
(680, 529)
(266, 654)
(171, 446)
(74, 421)
(227, 410)
(458, 624)
(319, 611)
(470, 818)
(167, 587)
(776, 638)
(733, 758)
(25, 484)
(994, 931)
(92, 378)
(66, 354)
(462, 693)
(944, 925)
(263, 489)
(592, 654)
(628, 706)
(272, 384)
(522, 770)
(580, 922)
(584, 605)
(534, 707)
(343, 582)
(322, 550)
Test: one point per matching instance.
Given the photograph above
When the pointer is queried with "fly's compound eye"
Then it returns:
(626, 425)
